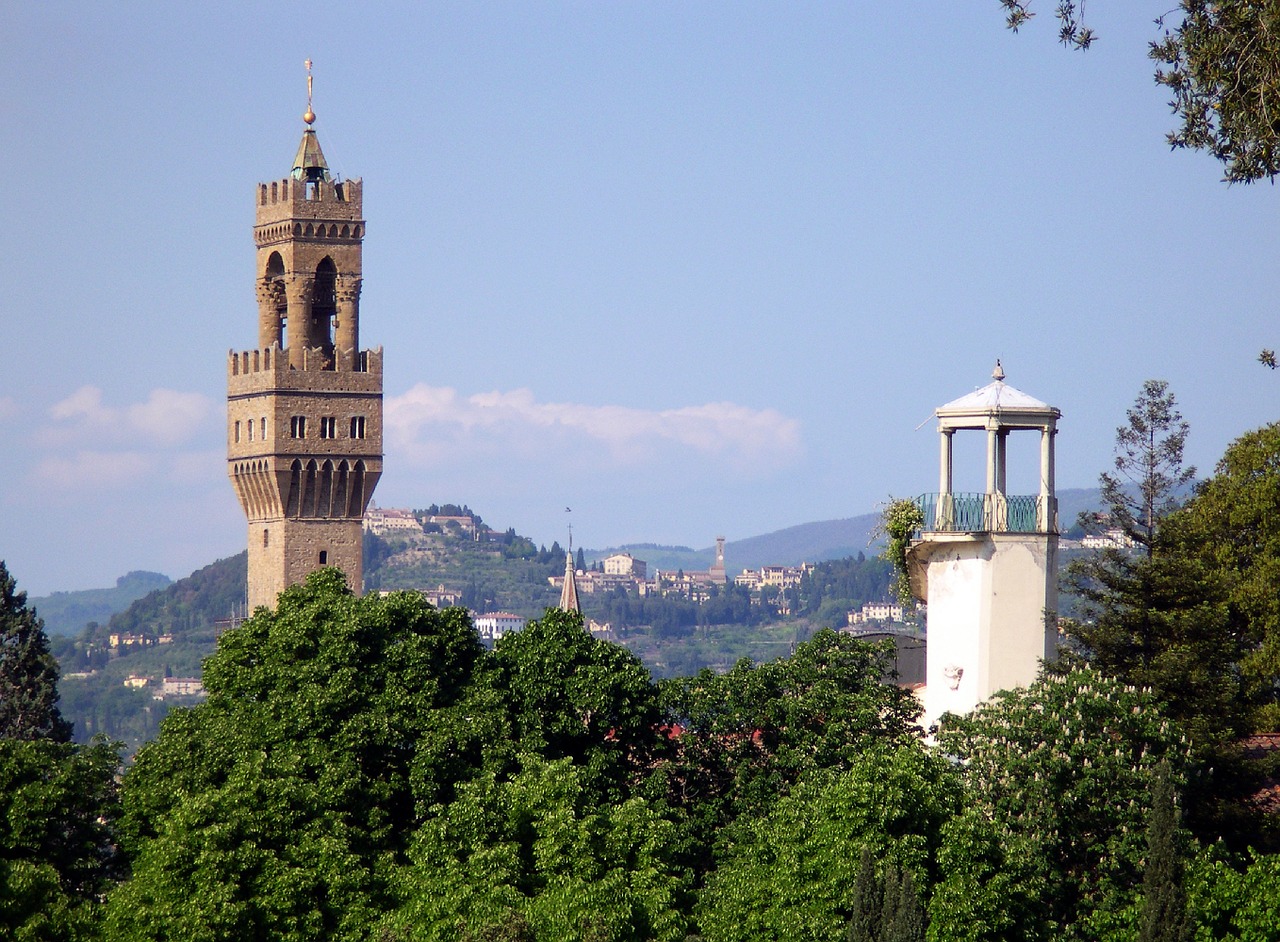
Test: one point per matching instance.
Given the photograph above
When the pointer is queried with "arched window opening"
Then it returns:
(340, 491)
(266, 538)
(324, 506)
(324, 557)
(324, 305)
(309, 490)
(355, 505)
(293, 505)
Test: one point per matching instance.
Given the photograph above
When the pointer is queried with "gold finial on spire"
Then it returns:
(310, 116)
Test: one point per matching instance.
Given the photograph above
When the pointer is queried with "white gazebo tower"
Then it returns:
(986, 564)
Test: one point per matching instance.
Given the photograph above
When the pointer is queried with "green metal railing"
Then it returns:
(986, 513)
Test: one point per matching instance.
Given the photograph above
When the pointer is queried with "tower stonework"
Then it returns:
(304, 408)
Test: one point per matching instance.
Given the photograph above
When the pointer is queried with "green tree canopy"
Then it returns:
(571, 695)
(795, 873)
(280, 807)
(535, 856)
(1232, 528)
(1052, 839)
(28, 672)
(746, 736)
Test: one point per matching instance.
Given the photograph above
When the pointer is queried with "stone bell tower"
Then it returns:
(304, 408)
(986, 564)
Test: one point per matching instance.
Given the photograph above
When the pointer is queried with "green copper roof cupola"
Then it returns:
(309, 165)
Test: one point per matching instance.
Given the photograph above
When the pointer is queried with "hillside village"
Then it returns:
(619, 572)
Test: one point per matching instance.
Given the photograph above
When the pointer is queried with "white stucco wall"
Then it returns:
(987, 631)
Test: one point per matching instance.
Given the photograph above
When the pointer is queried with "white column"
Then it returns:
(946, 437)
(993, 446)
(1002, 460)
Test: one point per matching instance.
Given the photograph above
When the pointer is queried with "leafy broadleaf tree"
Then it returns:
(1220, 59)
(573, 696)
(534, 856)
(1052, 838)
(747, 736)
(283, 805)
(1232, 529)
(793, 874)
(28, 672)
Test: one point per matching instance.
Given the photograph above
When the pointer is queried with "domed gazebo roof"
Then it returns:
(998, 403)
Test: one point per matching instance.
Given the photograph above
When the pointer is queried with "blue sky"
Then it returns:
(690, 269)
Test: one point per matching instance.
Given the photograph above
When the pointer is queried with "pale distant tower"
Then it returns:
(304, 408)
(986, 563)
(717, 571)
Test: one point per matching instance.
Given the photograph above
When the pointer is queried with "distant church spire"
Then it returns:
(569, 594)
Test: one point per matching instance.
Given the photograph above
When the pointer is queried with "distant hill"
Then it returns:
(806, 542)
(66, 613)
(803, 543)
(190, 608)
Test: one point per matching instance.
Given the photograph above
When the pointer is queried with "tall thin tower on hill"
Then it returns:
(304, 409)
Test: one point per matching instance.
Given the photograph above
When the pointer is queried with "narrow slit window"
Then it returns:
(264, 428)
(324, 557)
(237, 432)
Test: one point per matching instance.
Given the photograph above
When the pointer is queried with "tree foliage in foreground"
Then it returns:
(1052, 840)
(1155, 615)
(743, 738)
(28, 672)
(364, 769)
(1232, 528)
(281, 806)
(797, 872)
(1220, 60)
(57, 800)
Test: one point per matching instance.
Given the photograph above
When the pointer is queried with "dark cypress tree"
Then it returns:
(1164, 909)
(889, 899)
(908, 915)
(581, 562)
(28, 671)
(867, 901)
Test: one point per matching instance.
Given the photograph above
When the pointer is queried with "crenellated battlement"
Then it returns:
(302, 193)
(268, 368)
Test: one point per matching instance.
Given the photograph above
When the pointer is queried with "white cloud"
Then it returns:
(93, 470)
(86, 445)
(167, 417)
(418, 418)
